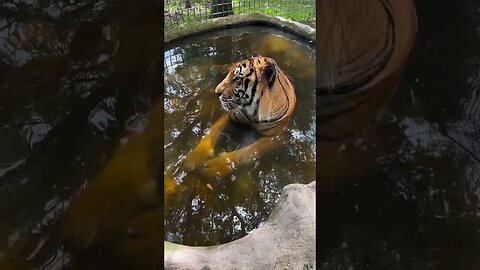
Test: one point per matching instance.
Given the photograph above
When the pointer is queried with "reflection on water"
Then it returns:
(201, 211)
(417, 204)
(76, 79)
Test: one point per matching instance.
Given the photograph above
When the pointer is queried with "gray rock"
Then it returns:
(285, 241)
(252, 18)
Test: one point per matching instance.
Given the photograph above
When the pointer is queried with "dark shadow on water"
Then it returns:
(75, 78)
(416, 205)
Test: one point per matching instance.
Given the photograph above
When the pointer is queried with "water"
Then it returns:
(415, 204)
(75, 80)
(227, 209)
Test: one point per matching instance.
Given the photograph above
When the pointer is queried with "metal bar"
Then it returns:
(177, 14)
(194, 17)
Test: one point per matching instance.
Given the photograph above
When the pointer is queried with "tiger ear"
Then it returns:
(270, 73)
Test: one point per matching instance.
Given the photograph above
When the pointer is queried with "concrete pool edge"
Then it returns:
(286, 239)
(254, 18)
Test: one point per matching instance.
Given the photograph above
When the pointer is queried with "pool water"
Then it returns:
(415, 204)
(202, 211)
(77, 80)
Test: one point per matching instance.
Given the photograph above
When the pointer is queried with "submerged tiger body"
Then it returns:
(257, 93)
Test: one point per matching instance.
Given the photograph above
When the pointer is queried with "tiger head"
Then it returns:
(245, 82)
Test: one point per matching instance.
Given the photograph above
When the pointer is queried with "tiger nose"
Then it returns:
(218, 91)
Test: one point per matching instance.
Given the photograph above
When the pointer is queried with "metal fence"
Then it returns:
(181, 13)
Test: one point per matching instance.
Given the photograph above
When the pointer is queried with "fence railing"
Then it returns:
(182, 13)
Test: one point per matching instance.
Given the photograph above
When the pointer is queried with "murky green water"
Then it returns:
(194, 213)
(415, 204)
(76, 78)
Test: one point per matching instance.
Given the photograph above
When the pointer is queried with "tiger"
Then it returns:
(363, 47)
(258, 94)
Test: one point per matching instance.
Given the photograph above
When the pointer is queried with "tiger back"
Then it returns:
(362, 47)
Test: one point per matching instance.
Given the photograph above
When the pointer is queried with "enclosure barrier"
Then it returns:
(181, 14)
